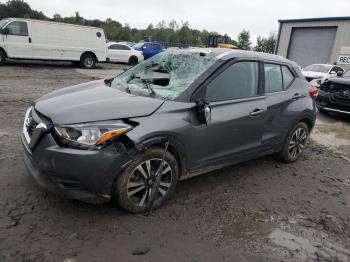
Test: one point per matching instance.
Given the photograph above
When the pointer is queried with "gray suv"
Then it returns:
(176, 115)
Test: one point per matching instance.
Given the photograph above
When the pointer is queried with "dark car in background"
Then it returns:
(176, 115)
(149, 49)
(334, 95)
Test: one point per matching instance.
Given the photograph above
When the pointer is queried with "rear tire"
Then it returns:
(133, 60)
(88, 61)
(2, 58)
(132, 186)
(294, 145)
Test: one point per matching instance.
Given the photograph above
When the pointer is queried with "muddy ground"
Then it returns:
(261, 210)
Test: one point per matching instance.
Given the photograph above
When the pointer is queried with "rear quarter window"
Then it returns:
(273, 78)
(288, 77)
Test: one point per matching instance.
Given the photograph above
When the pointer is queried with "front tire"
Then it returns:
(2, 58)
(295, 143)
(88, 61)
(134, 184)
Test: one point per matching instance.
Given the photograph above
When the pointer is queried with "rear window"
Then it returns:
(288, 77)
(139, 45)
(273, 78)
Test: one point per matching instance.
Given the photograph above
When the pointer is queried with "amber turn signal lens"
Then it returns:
(111, 134)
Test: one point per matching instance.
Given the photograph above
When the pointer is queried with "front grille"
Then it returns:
(34, 127)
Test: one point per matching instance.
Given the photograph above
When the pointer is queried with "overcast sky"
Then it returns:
(260, 17)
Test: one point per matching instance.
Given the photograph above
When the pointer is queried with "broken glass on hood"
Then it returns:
(165, 75)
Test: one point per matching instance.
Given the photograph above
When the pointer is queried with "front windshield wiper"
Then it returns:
(150, 89)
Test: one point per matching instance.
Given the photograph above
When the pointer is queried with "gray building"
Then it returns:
(315, 40)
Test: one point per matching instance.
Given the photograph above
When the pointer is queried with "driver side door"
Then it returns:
(238, 114)
(17, 40)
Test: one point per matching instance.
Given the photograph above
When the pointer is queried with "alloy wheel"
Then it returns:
(141, 181)
(88, 62)
(297, 143)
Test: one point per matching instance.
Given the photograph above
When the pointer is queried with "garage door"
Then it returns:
(311, 45)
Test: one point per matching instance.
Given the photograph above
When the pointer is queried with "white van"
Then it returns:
(44, 40)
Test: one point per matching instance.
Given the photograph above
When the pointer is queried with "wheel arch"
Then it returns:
(89, 53)
(3, 51)
(175, 148)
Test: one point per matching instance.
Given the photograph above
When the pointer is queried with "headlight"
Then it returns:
(91, 134)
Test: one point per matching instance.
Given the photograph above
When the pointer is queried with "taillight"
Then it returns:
(313, 91)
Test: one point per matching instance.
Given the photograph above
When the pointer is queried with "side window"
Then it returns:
(112, 47)
(239, 80)
(288, 77)
(147, 46)
(18, 28)
(156, 47)
(124, 47)
(273, 78)
(337, 69)
(119, 47)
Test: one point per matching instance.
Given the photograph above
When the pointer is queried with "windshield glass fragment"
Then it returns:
(165, 75)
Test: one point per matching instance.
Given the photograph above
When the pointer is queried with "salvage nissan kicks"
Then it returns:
(176, 115)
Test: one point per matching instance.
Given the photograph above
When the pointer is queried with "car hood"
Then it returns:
(93, 101)
(313, 74)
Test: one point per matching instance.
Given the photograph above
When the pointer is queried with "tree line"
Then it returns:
(172, 32)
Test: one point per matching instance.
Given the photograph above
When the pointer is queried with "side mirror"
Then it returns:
(333, 73)
(4, 31)
(340, 73)
(204, 110)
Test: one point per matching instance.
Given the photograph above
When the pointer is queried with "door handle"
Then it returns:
(297, 96)
(256, 112)
(30, 40)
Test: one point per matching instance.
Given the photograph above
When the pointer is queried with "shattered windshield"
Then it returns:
(165, 75)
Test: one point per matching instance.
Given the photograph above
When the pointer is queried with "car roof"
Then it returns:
(227, 53)
(323, 64)
(117, 43)
(48, 22)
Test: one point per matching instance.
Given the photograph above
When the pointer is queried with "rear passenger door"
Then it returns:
(114, 53)
(282, 96)
(17, 41)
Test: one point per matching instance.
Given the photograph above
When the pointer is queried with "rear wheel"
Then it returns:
(2, 58)
(295, 143)
(134, 185)
(133, 60)
(88, 61)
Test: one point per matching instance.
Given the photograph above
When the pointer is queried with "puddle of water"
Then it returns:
(294, 243)
(307, 249)
(247, 228)
(330, 139)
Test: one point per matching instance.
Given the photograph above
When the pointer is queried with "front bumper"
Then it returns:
(77, 174)
(326, 102)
